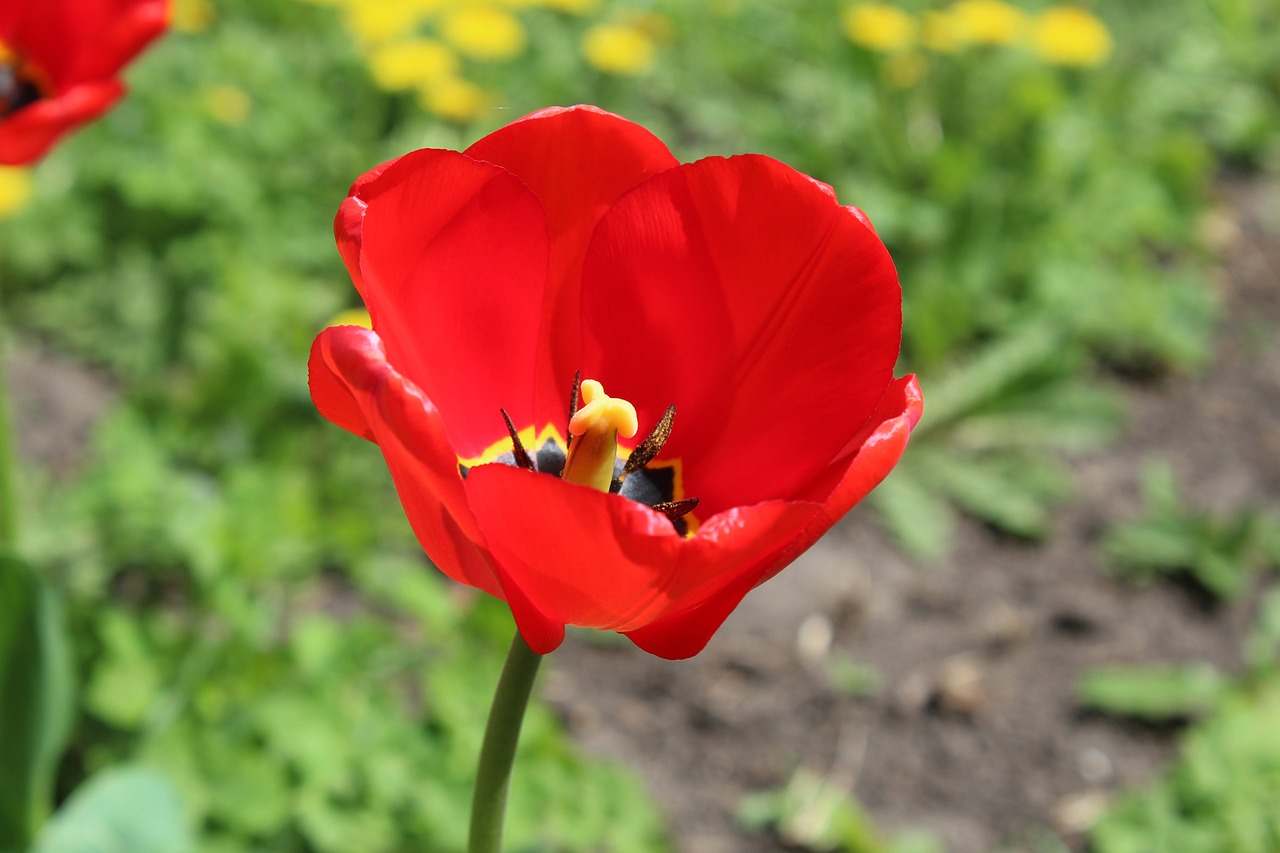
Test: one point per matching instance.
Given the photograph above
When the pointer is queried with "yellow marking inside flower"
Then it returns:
(595, 428)
(531, 438)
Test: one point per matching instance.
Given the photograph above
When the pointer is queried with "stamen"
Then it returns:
(651, 446)
(573, 408)
(676, 509)
(517, 447)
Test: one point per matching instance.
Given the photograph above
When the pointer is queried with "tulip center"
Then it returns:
(594, 431)
(589, 454)
(19, 84)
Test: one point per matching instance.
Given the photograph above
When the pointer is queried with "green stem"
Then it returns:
(493, 777)
(8, 504)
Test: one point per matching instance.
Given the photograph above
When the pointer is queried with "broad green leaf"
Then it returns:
(36, 700)
(120, 810)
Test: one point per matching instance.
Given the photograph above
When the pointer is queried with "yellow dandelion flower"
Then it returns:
(989, 22)
(375, 21)
(574, 7)
(15, 190)
(879, 26)
(483, 32)
(226, 104)
(455, 99)
(618, 48)
(412, 63)
(941, 32)
(903, 70)
(1068, 35)
(191, 16)
(352, 317)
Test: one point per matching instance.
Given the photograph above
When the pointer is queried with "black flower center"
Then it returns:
(18, 87)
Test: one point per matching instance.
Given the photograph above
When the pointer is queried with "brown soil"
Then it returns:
(976, 732)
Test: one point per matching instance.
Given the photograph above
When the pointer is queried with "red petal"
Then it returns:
(26, 135)
(683, 635)
(740, 290)
(78, 41)
(580, 557)
(578, 161)
(349, 221)
(870, 458)
(452, 262)
(353, 385)
(135, 25)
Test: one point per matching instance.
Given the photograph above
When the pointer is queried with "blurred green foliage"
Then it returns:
(250, 612)
(1220, 796)
(1221, 554)
(812, 812)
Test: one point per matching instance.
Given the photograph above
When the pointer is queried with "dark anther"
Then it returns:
(517, 448)
(573, 408)
(676, 509)
(649, 448)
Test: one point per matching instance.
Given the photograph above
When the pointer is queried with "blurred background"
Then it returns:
(1054, 628)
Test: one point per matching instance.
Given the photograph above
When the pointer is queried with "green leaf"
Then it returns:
(36, 700)
(813, 813)
(1153, 693)
(124, 687)
(920, 521)
(986, 375)
(1221, 795)
(121, 810)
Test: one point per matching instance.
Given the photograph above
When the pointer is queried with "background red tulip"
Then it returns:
(736, 288)
(58, 65)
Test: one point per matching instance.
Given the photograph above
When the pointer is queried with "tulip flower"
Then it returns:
(736, 329)
(58, 65)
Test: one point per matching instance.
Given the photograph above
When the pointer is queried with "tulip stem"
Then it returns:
(8, 503)
(493, 776)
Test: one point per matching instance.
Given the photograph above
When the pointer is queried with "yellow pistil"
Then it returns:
(595, 428)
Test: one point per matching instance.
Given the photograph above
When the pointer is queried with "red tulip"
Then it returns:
(737, 289)
(58, 65)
